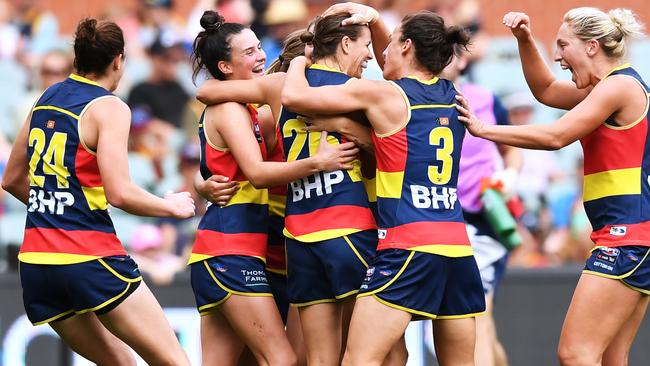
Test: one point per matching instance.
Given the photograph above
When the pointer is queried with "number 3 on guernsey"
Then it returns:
(443, 137)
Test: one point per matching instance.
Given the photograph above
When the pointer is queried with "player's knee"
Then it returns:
(287, 357)
(117, 358)
(575, 356)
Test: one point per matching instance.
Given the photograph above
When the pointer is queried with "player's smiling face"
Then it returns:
(360, 53)
(247, 58)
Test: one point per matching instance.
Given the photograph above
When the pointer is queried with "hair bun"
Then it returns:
(87, 29)
(625, 20)
(307, 37)
(211, 20)
(457, 35)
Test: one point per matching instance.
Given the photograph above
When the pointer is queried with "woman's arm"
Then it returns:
(233, 125)
(346, 126)
(546, 89)
(111, 118)
(363, 14)
(604, 101)
(16, 176)
(382, 102)
(261, 90)
(298, 96)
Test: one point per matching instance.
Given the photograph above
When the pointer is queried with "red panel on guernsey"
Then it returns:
(635, 234)
(391, 152)
(223, 163)
(611, 149)
(411, 235)
(71, 242)
(86, 168)
(214, 243)
(331, 218)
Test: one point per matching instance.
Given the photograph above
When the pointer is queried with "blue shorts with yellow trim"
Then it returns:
(426, 285)
(629, 264)
(328, 270)
(278, 283)
(215, 279)
(56, 292)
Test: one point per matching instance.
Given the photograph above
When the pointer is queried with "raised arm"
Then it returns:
(233, 124)
(363, 14)
(555, 93)
(608, 98)
(111, 118)
(16, 176)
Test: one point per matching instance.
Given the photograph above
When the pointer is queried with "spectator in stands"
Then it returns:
(53, 67)
(154, 260)
(282, 17)
(39, 29)
(9, 34)
(161, 92)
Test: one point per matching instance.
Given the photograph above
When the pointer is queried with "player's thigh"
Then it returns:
(87, 336)
(140, 322)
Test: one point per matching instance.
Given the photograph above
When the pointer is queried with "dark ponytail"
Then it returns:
(213, 44)
(96, 44)
(435, 44)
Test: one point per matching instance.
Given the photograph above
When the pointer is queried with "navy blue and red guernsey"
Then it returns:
(275, 255)
(67, 218)
(617, 178)
(239, 227)
(417, 173)
(325, 205)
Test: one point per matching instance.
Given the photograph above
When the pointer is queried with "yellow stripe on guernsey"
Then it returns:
(277, 205)
(320, 235)
(249, 194)
(54, 258)
(95, 197)
(454, 251)
(389, 184)
(53, 108)
(612, 183)
(371, 188)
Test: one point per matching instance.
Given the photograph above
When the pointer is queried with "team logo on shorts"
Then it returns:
(221, 268)
(381, 234)
(613, 252)
(370, 271)
(633, 257)
(386, 272)
(618, 230)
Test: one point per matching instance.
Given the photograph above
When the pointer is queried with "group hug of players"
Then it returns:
(333, 193)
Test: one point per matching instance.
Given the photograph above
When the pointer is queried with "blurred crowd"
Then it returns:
(164, 151)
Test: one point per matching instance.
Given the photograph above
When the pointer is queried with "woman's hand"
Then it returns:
(473, 124)
(330, 157)
(323, 123)
(361, 14)
(217, 189)
(519, 24)
(181, 204)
